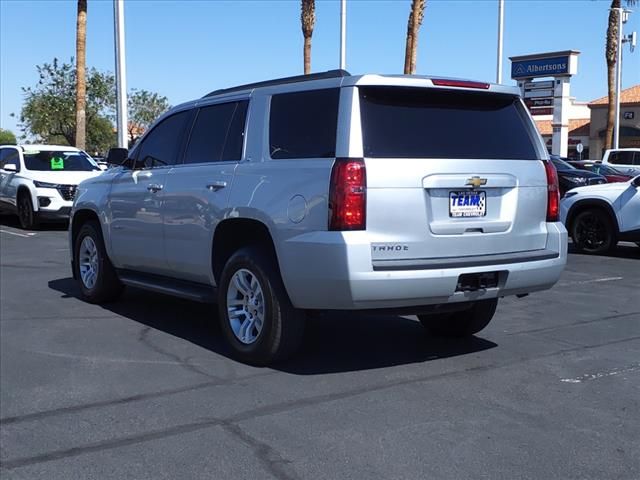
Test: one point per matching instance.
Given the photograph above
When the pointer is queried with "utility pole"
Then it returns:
(343, 34)
(500, 40)
(121, 75)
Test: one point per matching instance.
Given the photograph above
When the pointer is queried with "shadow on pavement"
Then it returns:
(333, 342)
(12, 221)
(622, 250)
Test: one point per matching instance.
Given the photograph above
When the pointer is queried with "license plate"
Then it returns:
(467, 204)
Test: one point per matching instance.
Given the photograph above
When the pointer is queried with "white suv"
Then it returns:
(598, 216)
(416, 195)
(38, 182)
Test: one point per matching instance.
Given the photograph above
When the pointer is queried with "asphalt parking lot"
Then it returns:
(144, 388)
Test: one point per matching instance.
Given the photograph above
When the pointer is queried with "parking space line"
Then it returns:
(24, 235)
(595, 376)
(593, 280)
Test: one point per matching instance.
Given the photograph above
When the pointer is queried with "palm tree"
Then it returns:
(611, 54)
(308, 20)
(413, 27)
(81, 66)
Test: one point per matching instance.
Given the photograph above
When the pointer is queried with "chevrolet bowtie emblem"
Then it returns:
(475, 182)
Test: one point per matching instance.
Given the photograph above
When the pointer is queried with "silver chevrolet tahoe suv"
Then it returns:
(408, 194)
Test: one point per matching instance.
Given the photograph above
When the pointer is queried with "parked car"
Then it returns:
(38, 182)
(598, 217)
(607, 171)
(101, 162)
(626, 160)
(570, 177)
(322, 192)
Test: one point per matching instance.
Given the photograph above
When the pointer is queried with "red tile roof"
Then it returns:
(629, 96)
(577, 127)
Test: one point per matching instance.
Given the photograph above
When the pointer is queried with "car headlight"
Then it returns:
(39, 184)
(577, 180)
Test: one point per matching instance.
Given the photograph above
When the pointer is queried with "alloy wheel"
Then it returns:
(592, 232)
(88, 262)
(245, 306)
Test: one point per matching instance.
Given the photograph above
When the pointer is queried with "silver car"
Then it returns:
(408, 194)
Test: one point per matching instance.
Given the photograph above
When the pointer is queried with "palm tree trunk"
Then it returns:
(409, 46)
(308, 21)
(413, 28)
(611, 54)
(307, 55)
(81, 66)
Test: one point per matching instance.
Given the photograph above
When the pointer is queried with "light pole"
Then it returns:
(121, 74)
(500, 40)
(343, 34)
(623, 16)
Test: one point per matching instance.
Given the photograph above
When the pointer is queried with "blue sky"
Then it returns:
(184, 49)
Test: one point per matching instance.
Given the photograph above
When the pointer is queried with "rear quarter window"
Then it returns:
(439, 123)
(304, 124)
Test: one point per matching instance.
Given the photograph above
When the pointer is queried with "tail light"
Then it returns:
(553, 193)
(348, 195)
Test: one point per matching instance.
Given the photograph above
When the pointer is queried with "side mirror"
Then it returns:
(10, 167)
(117, 156)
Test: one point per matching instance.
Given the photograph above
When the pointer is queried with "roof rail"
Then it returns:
(282, 81)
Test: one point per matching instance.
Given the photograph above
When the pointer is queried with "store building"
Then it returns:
(629, 121)
(588, 124)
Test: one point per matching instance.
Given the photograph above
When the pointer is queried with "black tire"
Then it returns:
(282, 326)
(107, 286)
(592, 231)
(27, 217)
(461, 324)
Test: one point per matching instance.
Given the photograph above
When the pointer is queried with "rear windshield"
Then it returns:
(56, 160)
(560, 164)
(438, 123)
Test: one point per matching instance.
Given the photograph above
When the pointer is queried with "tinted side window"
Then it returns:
(439, 123)
(217, 134)
(160, 147)
(621, 158)
(235, 137)
(304, 124)
(636, 158)
(9, 155)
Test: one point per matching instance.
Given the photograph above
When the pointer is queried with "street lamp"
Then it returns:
(623, 16)
(343, 34)
(121, 76)
(500, 40)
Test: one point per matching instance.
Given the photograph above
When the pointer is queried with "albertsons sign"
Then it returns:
(545, 67)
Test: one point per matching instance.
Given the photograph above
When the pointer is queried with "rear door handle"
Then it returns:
(215, 186)
(154, 187)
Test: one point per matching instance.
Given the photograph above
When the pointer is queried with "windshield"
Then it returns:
(58, 160)
(438, 123)
(561, 164)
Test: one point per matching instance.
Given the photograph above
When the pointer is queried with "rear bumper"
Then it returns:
(334, 271)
